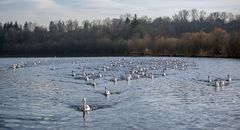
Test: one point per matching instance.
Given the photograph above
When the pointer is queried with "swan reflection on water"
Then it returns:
(85, 115)
(217, 89)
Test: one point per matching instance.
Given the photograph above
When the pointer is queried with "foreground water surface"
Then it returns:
(162, 93)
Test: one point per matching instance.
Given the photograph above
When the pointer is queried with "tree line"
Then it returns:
(187, 33)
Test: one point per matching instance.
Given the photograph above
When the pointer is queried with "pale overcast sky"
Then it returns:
(43, 11)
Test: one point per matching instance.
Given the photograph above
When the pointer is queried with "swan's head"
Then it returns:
(228, 76)
(209, 79)
(84, 100)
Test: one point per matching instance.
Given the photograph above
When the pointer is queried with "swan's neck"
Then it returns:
(84, 104)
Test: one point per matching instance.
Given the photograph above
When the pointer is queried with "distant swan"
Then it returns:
(85, 106)
(128, 77)
(93, 83)
(73, 73)
(115, 79)
(222, 82)
(209, 79)
(164, 74)
(138, 76)
(53, 67)
(107, 92)
(86, 78)
(229, 79)
(14, 66)
(151, 76)
(217, 83)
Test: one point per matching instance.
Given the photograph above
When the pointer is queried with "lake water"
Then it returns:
(44, 94)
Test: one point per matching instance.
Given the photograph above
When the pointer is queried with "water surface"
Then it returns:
(45, 95)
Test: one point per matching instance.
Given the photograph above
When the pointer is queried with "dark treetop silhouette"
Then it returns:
(188, 33)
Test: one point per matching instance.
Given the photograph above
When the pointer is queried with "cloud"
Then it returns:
(40, 11)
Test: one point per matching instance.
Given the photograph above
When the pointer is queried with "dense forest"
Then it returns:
(187, 33)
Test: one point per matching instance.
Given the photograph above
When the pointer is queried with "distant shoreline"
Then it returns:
(66, 56)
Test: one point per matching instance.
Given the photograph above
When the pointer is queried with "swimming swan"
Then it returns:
(217, 83)
(222, 82)
(229, 79)
(164, 74)
(115, 79)
(128, 77)
(107, 92)
(85, 106)
(209, 79)
(94, 83)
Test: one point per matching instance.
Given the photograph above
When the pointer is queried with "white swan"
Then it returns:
(217, 83)
(209, 79)
(151, 76)
(138, 76)
(115, 79)
(85, 106)
(93, 83)
(222, 82)
(164, 74)
(86, 78)
(14, 66)
(53, 67)
(107, 92)
(229, 79)
(73, 73)
(19, 65)
(128, 77)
